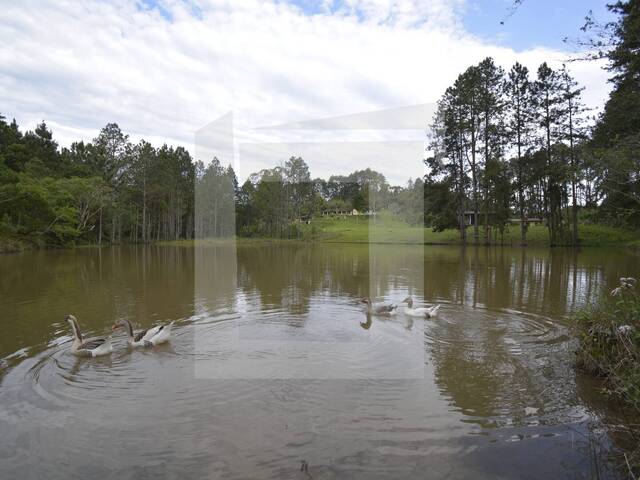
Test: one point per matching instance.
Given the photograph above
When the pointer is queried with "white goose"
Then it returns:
(145, 338)
(90, 347)
(426, 312)
(383, 309)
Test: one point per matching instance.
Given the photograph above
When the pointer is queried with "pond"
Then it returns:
(273, 362)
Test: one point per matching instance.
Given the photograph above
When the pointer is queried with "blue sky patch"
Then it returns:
(519, 25)
(534, 23)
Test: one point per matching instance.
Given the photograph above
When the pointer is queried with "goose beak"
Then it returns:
(115, 327)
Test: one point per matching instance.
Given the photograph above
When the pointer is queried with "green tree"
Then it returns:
(621, 116)
(572, 133)
(492, 107)
(548, 97)
(450, 148)
(519, 127)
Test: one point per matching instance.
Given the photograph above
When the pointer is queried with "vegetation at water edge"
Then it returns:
(609, 347)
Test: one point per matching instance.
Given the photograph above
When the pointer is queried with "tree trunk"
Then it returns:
(144, 210)
(523, 216)
(487, 233)
(463, 227)
(549, 187)
(574, 239)
(474, 180)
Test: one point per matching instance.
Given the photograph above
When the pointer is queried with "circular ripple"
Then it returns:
(501, 367)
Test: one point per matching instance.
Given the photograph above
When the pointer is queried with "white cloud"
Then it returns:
(162, 73)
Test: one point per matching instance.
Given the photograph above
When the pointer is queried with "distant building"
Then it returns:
(530, 221)
(330, 212)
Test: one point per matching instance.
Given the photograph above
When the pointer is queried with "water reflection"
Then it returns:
(494, 377)
(37, 290)
(548, 282)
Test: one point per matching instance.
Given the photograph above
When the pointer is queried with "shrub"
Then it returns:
(609, 335)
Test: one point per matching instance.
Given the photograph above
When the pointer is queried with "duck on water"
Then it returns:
(89, 347)
(426, 312)
(382, 309)
(144, 338)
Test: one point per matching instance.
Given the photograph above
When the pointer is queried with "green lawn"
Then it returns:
(389, 230)
(386, 229)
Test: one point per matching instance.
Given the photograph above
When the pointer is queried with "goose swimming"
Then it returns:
(145, 338)
(427, 312)
(384, 309)
(90, 347)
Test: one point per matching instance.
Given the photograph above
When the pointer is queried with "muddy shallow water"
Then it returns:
(273, 361)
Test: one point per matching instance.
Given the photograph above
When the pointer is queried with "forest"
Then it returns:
(112, 191)
(521, 143)
(506, 145)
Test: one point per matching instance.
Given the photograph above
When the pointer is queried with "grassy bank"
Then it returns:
(389, 230)
(609, 336)
(248, 241)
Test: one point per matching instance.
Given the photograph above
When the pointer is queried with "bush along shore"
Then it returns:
(609, 336)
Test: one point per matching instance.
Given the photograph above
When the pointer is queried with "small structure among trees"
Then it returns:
(501, 136)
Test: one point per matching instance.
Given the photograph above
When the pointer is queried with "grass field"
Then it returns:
(386, 229)
(389, 230)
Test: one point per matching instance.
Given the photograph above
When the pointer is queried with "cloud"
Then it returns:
(401, 13)
(162, 70)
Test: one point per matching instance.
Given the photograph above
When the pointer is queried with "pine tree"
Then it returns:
(491, 110)
(548, 97)
(519, 126)
(450, 150)
(621, 116)
(572, 132)
(468, 88)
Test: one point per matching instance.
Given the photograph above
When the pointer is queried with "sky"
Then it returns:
(164, 69)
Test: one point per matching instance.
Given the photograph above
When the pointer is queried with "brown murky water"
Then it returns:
(273, 362)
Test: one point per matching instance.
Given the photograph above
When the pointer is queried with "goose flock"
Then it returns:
(389, 309)
(98, 346)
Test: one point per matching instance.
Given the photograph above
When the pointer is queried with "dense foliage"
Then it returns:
(614, 149)
(111, 190)
(106, 190)
(508, 143)
(273, 202)
(516, 143)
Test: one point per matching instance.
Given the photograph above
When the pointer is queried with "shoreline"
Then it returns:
(257, 241)
(351, 232)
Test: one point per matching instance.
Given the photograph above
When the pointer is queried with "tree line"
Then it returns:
(273, 202)
(516, 143)
(111, 190)
(108, 190)
(505, 144)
